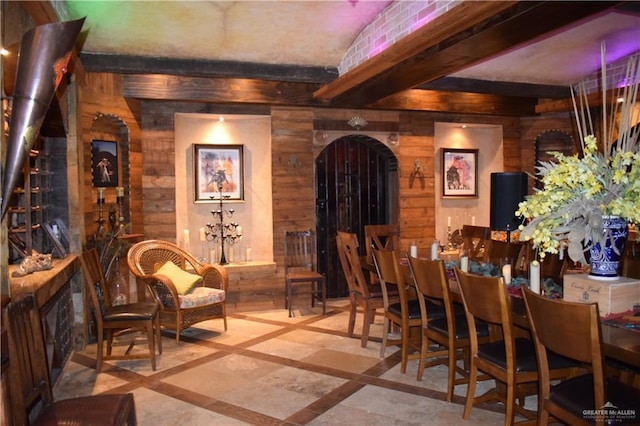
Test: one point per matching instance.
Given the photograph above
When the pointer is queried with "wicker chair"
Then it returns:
(179, 312)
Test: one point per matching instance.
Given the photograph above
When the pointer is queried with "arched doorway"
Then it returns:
(356, 185)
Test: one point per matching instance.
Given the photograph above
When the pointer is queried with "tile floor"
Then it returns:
(269, 369)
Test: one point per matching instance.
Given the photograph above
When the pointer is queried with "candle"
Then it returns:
(434, 250)
(120, 191)
(534, 277)
(248, 254)
(506, 273)
(100, 195)
(203, 235)
(413, 251)
(473, 220)
(185, 236)
(448, 220)
(464, 263)
(213, 258)
(239, 230)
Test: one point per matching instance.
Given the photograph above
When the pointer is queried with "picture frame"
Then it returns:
(218, 164)
(104, 163)
(459, 173)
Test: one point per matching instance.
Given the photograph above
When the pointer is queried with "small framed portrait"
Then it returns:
(459, 172)
(218, 171)
(104, 163)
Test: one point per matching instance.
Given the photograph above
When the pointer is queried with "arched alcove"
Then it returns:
(107, 128)
(356, 185)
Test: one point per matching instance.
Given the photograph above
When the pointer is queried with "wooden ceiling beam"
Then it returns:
(260, 92)
(592, 99)
(218, 90)
(467, 35)
(128, 64)
(458, 102)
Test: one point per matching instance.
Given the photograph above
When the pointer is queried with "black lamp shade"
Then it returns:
(507, 191)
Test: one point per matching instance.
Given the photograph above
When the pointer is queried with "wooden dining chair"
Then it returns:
(572, 329)
(300, 267)
(116, 320)
(450, 332)
(475, 239)
(381, 237)
(631, 260)
(403, 315)
(499, 250)
(31, 395)
(361, 292)
(509, 359)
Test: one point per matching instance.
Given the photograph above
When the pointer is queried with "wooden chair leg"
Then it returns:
(404, 349)
(452, 373)
(509, 403)
(100, 348)
(366, 326)
(152, 343)
(471, 391)
(423, 357)
(385, 336)
(352, 319)
(323, 283)
(156, 327)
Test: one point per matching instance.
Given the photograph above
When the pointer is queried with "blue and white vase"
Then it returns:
(605, 262)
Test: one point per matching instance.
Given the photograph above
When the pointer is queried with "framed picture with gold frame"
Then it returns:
(218, 170)
(459, 173)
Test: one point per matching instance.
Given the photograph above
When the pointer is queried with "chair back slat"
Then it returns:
(475, 239)
(300, 250)
(381, 237)
(569, 329)
(96, 284)
(389, 274)
(429, 277)
(498, 250)
(347, 244)
(487, 299)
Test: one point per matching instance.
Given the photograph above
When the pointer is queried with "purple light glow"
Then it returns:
(422, 22)
(378, 47)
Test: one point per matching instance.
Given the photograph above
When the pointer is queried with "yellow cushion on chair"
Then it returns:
(182, 280)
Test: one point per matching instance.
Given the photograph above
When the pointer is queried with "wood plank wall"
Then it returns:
(100, 96)
(293, 188)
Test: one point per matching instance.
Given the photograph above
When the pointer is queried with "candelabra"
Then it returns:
(224, 233)
(450, 243)
(120, 202)
(100, 229)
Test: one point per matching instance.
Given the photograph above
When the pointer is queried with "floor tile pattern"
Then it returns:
(269, 369)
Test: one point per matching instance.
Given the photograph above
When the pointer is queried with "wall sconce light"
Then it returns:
(294, 163)
(393, 139)
(357, 122)
(417, 173)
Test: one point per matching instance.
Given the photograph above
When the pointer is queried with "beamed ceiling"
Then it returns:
(511, 57)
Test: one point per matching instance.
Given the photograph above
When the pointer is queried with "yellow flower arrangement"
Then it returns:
(577, 193)
(579, 190)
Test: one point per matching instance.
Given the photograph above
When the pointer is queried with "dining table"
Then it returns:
(618, 343)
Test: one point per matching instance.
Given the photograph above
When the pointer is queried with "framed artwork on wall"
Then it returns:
(459, 172)
(104, 163)
(218, 168)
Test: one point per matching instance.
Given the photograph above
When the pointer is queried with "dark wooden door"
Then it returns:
(356, 185)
